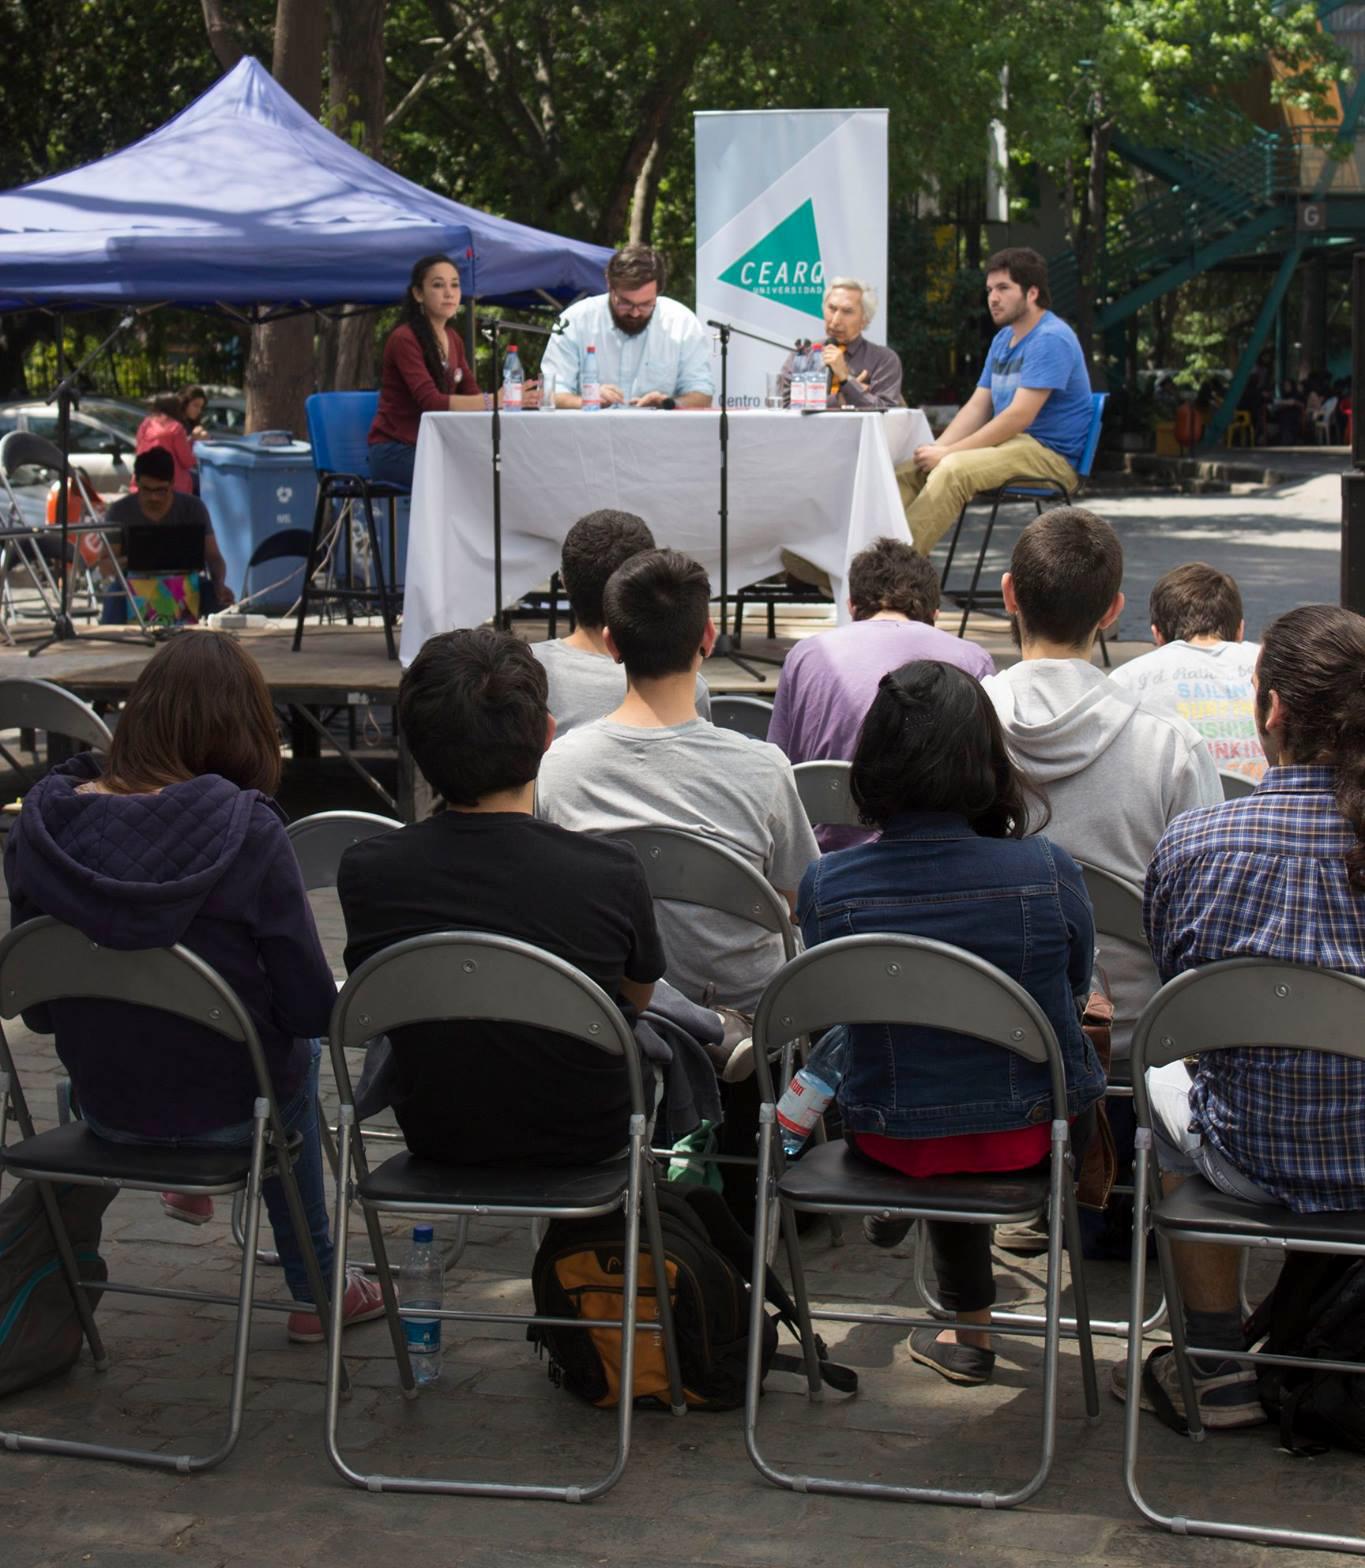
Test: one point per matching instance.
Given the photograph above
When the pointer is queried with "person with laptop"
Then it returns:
(167, 550)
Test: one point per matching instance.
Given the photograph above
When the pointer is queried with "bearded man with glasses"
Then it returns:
(651, 351)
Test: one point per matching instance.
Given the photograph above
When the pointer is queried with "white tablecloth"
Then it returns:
(822, 486)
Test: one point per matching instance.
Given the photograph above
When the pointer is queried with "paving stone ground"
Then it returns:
(690, 1497)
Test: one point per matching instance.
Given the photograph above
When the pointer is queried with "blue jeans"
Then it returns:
(391, 463)
(300, 1115)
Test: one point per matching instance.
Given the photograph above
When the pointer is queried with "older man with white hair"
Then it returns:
(862, 374)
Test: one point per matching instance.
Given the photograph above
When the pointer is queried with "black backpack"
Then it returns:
(579, 1272)
(1316, 1309)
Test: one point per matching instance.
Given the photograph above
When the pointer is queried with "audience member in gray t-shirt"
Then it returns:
(608, 776)
(586, 682)
(587, 685)
(654, 763)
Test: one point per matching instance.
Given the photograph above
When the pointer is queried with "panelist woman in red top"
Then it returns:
(425, 370)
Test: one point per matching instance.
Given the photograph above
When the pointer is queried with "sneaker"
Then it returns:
(1224, 1390)
(966, 1364)
(363, 1301)
(180, 1206)
(1024, 1241)
(884, 1231)
(733, 1057)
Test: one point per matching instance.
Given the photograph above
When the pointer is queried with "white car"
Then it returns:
(101, 445)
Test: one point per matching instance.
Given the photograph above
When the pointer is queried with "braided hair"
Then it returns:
(1314, 657)
(416, 318)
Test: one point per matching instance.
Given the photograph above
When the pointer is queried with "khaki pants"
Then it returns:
(934, 500)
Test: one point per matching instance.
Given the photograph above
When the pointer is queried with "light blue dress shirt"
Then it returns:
(672, 355)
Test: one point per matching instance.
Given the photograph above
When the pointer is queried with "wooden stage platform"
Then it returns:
(337, 666)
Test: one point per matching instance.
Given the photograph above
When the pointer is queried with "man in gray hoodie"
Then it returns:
(1113, 773)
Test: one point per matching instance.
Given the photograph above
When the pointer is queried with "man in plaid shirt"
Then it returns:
(1279, 874)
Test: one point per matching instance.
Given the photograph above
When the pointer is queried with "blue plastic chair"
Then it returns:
(1044, 493)
(338, 429)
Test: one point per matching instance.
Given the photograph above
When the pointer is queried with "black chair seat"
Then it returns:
(407, 1178)
(834, 1173)
(354, 485)
(1197, 1205)
(75, 1151)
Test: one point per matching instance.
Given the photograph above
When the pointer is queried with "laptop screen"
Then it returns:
(163, 547)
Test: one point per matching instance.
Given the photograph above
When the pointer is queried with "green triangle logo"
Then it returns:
(785, 264)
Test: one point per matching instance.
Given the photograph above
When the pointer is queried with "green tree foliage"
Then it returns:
(1156, 69)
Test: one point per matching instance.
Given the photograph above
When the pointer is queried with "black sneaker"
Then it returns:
(884, 1231)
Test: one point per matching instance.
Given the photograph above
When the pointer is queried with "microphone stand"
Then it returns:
(66, 394)
(492, 325)
(724, 646)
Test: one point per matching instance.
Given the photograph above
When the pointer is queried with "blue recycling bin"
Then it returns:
(260, 489)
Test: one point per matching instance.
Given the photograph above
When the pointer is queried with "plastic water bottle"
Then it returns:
(809, 1093)
(800, 370)
(513, 379)
(420, 1284)
(817, 383)
(592, 388)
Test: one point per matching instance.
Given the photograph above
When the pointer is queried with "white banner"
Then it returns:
(786, 200)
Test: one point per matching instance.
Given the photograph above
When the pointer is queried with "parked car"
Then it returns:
(103, 447)
(224, 414)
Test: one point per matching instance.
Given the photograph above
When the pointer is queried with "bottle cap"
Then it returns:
(592, 348)
(511, 348)
(422, 1233)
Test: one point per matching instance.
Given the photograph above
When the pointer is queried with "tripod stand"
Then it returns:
(66, 395)
(724, 645)
(492, 326)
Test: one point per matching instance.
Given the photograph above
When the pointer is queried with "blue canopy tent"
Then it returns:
(244, 203)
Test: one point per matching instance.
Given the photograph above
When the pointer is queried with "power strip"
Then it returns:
(237, 621)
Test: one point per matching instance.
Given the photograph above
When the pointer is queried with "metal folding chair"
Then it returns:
(43, 705)
(44, 961)
(1118, 913)
(1235, 785)
(911, 981)
(749, 715)
(1247, 1004)
(473, 975)
(319, 842)
(823, 788)
(688, 868)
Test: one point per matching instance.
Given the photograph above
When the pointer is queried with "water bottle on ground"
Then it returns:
(811, 1090)
(817, 384)
(513, 379)
(592, 388)
(420, 1284)
(800, 370)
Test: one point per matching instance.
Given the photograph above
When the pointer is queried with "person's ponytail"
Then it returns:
(1314, 657)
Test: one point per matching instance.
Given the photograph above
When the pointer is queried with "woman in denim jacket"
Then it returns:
(953, 863)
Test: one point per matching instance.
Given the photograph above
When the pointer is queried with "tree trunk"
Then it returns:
(356, 76)
(656, 113)
(279, 370)
(646, 193)
(222, 39)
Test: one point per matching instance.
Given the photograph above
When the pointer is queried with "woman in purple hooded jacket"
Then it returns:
(174, 838)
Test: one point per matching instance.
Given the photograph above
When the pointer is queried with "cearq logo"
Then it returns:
(785, 264)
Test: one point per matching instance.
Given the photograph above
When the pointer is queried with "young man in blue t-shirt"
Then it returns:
(1028, 417)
